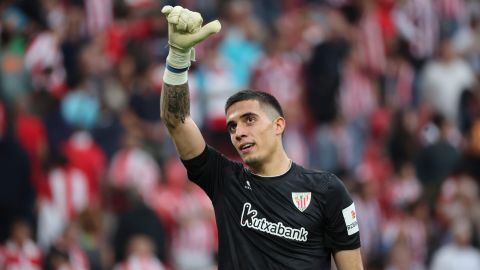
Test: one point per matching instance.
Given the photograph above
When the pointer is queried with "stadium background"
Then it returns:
(384, 93)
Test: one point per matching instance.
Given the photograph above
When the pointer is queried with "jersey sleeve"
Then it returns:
(208, 170)
(342, 231)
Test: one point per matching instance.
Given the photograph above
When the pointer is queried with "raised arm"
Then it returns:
(184, 31)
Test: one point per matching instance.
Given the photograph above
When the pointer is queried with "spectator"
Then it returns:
(84, 154)
(409, 227)
(20, 250)
(444, 79)
(31, 134)
(188, 214)
(417, 23)
(92, 238)
(68, 244)
(467, 44)
(323, 70)
(437, 160)
(68, 196)
(367, 205)
(241, 44)
(404, 187)
(140, 255)
(403, 141)
(458, 254)
(17, 195)
(133, 168)
(458, 198)
(138, 218)
(451, 14)
(400, 258)
(14, 76)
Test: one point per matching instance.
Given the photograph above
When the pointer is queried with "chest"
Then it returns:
(287, 209)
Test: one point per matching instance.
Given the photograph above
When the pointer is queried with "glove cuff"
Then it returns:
(180, 59)
(174, 78)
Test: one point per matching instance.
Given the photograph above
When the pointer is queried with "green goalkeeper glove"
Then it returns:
(184, 31)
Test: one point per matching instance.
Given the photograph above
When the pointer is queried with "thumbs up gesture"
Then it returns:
(184, 31)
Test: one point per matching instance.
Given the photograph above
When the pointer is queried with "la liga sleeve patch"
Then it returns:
(350, 217)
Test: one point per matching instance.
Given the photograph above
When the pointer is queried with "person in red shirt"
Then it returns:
(32, 136)
(83, 153)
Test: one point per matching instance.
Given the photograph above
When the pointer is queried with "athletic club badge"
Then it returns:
(301, 200)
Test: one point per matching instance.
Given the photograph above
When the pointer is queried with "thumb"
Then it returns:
(206, 31)
(167, 9)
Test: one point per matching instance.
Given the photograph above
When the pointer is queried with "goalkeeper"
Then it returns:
(271, 213)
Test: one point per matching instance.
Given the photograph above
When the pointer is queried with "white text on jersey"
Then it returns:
(249, 220)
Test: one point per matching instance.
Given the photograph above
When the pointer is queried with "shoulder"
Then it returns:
(211, 154)
(319, 178)
(319, 174)
(314, 173)
(227, 163)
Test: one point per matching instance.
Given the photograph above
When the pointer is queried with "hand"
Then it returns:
(184, 31)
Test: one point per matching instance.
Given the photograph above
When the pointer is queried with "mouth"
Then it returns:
(246, 148)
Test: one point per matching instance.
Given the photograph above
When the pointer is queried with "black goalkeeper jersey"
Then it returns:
(292, 221)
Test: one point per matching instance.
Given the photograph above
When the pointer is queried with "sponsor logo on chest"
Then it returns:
(249, 219)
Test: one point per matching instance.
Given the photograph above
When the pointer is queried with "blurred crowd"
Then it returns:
(383, 93)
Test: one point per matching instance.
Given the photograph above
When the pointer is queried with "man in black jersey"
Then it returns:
(272, 213)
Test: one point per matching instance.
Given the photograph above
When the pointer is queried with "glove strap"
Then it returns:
(176, 70)
(178, 62)
(180, 59)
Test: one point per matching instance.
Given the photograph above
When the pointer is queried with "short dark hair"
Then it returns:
(262, 97)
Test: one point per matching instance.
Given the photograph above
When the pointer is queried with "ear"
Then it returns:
(279, 125)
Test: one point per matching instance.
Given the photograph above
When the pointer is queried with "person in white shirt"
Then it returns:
(459, 254)
(444, 79)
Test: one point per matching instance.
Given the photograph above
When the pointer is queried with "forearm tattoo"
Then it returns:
(175, 103)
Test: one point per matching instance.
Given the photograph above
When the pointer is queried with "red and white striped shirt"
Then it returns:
(99, 15)
(356, 94)
(87, 156)
(417, 23)
(78, 259)
(25, 257)
(371, 45)
(69, 189)
(134, 168)
(44, 52)
(279, 75)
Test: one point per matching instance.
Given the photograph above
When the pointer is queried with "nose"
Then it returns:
(240, 132)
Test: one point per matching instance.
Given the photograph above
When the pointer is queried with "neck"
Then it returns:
(278, 164)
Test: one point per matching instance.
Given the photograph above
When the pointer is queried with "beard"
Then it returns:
(253, 162)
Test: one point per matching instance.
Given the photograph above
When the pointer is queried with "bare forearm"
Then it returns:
(174, 104)
(175, 113)
(348, 259)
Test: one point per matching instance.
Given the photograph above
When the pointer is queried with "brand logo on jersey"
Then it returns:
(301, 200)
(247, 186)
(350, 217)
(249, 219)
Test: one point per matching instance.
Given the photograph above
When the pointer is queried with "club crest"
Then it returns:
(301, 200)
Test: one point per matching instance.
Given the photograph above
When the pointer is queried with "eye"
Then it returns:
(231, 128)
(250, 119)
